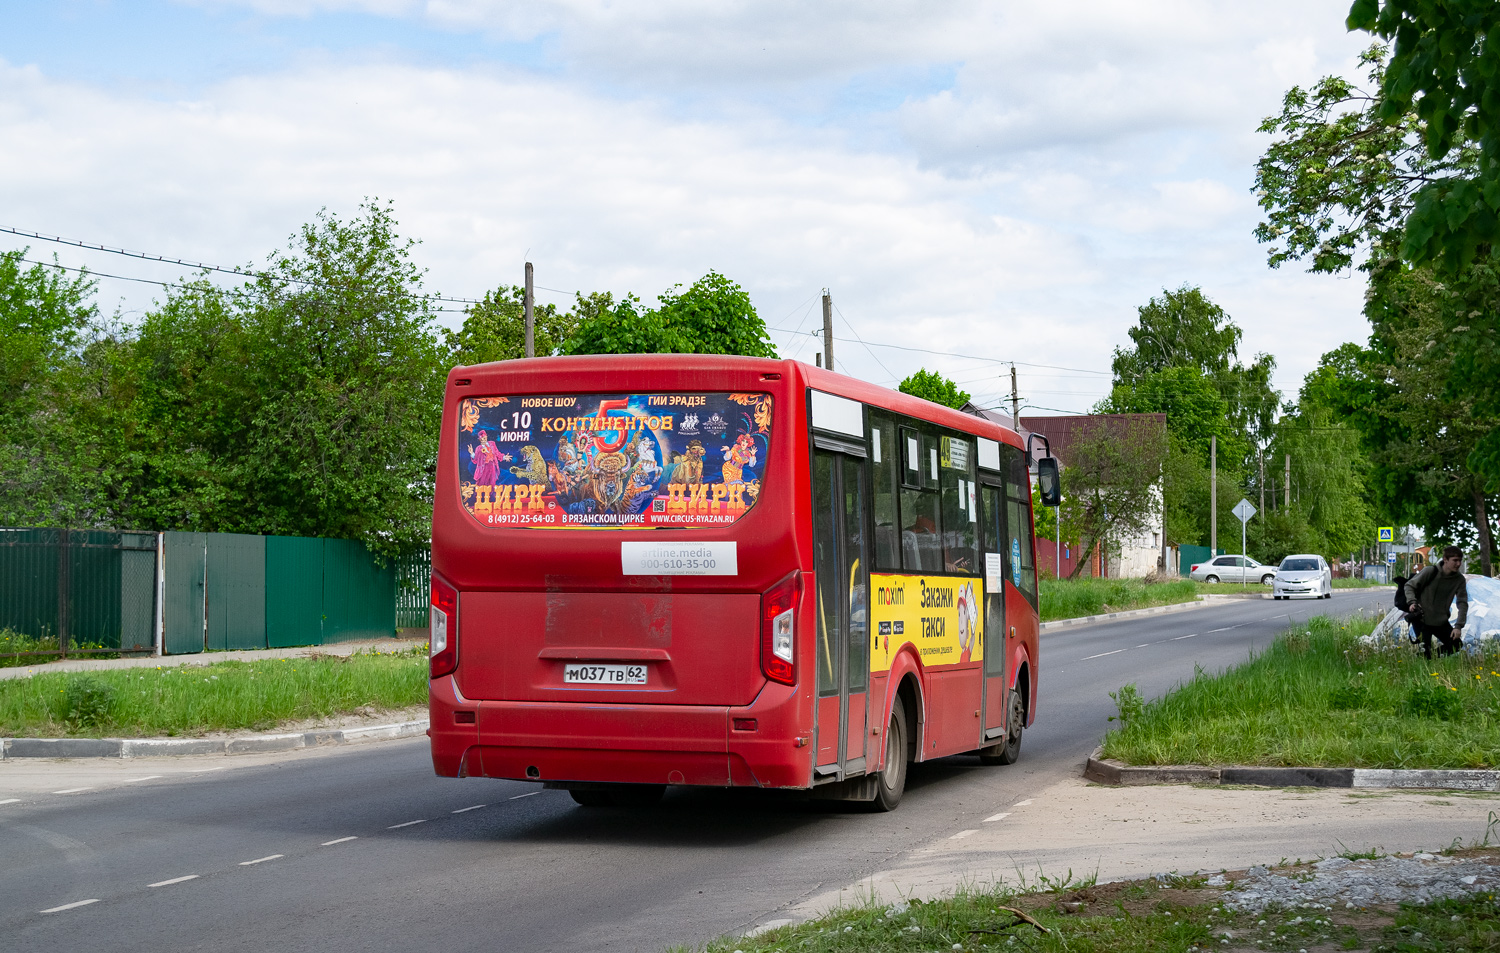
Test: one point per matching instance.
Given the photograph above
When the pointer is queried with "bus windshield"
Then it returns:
(612, 460)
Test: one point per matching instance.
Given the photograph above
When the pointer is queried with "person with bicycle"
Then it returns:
(1429, 594)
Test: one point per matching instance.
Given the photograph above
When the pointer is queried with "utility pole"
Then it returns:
(1287, 504)
(530, 318)
(827, 330)
(1213, 496)
(1261, 456)
(1015, 401)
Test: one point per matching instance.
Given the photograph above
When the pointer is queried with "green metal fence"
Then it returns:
(413, 585)
(1189, 556)
(90, 590)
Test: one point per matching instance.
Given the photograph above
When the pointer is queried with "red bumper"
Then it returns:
(642, 744)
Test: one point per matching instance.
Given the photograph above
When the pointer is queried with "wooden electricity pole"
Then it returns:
(1015, 401)
(1213, 496)
(1287, 502)
(827, 330)
(530, 318)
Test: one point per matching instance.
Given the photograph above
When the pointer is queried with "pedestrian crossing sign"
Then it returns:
(1387, 534)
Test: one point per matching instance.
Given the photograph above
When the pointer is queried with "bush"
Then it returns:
(87, 702)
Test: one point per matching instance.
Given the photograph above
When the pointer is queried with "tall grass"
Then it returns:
(13, 641)
(1319, 697)
(1074, 598)
(225, 696)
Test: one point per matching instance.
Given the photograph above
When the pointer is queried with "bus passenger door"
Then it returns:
(842, 569)
(996, 654)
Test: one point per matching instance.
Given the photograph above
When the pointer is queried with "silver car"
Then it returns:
(1304, 576)
(1233, 569)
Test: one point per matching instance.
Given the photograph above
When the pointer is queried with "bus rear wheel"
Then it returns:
(891, 782)
(1009, 750)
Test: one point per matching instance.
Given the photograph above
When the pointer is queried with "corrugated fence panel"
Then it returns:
(183, 598)
(359, 597)
(94, 583)
(294, 591)
(236, 592)
(28, 581)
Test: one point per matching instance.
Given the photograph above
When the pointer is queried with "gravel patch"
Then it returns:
(1341, 883)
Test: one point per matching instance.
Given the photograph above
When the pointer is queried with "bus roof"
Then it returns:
(539, 374)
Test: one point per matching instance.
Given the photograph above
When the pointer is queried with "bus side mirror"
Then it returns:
(1048, 483)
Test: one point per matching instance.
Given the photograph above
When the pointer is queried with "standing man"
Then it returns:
(1430, 593)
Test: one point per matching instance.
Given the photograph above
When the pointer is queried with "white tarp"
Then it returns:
(1483, 623)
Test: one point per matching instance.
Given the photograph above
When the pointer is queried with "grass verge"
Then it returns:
(1074, 598)
(1317, 696)
(225, 696)
(1143, 916)
(1351, 583)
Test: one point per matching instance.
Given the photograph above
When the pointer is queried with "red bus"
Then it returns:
(656, 570)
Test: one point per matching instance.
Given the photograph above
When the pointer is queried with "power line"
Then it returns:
(850, 325)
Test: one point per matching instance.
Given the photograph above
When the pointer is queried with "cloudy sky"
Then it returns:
(977, 183)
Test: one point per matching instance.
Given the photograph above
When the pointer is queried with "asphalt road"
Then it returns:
(362, 849)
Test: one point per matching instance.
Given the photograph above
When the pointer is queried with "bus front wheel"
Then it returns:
(1008, 751)
(892, 780)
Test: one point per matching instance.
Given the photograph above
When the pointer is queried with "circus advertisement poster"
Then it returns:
(939, 615)
(612, 460)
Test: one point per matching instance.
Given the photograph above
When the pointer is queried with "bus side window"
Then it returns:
(884, 466)
(1018, 521)
(921, 542)
(960, 513)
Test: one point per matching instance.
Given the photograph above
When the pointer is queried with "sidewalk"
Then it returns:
(209, 658)
(1123, 833)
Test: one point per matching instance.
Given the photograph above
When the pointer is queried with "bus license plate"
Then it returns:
(605, 674)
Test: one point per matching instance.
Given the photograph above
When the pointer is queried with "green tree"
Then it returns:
(713, 316)
(495, 328)
(45, 320)
(1444, 77)
(930, 385)
(1110, 483)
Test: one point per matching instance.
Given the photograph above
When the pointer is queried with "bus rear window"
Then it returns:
(612, 460)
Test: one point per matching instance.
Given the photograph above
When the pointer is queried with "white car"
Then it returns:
(1304, 576)
(1233, 569)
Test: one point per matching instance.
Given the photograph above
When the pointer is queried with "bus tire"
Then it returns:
(890, 784)
(1009, 750)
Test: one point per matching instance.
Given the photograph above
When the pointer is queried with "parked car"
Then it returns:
(1304, 576)
(1233, 569)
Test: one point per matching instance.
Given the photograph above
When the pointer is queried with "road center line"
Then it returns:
(261, 860)
(340, 840)
(961, 834)
(1102, 654)
(407, 824)
(1181, 637)
(1022, 803)
(149, 777)
(527, 794)
(71, 790)
(997, 817)
(10, 800)
(174, 880)
(70, 906)
(466, 809)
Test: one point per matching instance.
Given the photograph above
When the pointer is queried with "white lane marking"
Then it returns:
(1102, 654)
(1145, 645)
(340, 840)
(204, 770)
(261, 860)
(527, 794)
(1181, 637)
(962, 834)
(149, 777)
(997, 817)
(70, 906)
(407, 824)
(71, 790)
(174, 880)
(465, 809)
(10, 800)
(1227, 628)
(1022, 803)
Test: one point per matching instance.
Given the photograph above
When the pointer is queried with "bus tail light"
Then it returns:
(443, 628)
(779, 629)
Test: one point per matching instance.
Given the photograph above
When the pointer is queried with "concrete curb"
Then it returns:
(1123, 614)
(13, 748)
(1105, 771)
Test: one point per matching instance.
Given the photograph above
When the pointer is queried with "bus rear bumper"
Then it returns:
(634, 744)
